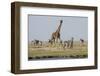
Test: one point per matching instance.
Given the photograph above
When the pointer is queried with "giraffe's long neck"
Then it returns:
(58, 30)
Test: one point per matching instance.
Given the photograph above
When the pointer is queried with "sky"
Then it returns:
(41, 27)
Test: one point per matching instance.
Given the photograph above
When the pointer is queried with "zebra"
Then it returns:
(37, 42)
(68, 43)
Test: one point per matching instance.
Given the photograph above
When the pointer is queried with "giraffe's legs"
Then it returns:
(57, 40)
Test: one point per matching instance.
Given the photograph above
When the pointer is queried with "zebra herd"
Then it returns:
(64, 44)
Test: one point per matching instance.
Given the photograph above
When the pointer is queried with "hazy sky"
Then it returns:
(41, 27)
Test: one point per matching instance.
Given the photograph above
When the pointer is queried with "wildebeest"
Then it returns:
(82, 42)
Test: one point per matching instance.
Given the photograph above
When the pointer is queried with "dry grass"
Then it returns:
(58, 51)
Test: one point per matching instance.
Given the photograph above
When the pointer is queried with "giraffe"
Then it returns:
(56, 35)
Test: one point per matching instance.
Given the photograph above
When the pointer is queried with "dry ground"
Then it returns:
(52, 51)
